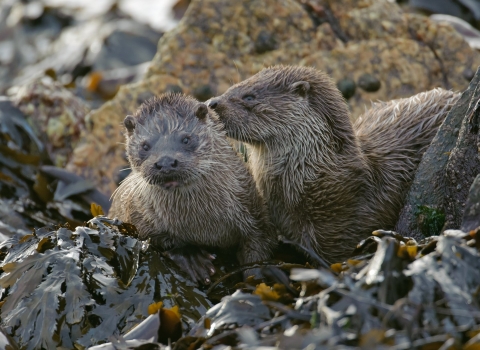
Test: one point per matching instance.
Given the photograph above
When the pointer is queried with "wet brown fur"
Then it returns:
(217, 204)
(328, 183)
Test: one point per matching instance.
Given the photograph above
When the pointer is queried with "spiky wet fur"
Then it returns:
(219, 205)
(329, 184)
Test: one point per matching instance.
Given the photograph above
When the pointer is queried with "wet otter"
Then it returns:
(328, 183)
(188, 187)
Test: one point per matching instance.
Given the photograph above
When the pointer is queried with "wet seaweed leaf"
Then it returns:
(70, 184)
(239, 309)
(324, 277)
(64, 191)
(24, 285)
(76, 295)
(453, 273)
(266, 293)
(37, 327)
(397, 298)
(170, 325)
(36, 312)
(155, 307)
(13, 123)
(96, 209)
(66, 288)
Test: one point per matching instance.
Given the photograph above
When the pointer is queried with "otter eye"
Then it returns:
(185, 140)
(146, 147)
(248, 98)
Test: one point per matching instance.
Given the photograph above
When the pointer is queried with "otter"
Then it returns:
(188, 188)
(328, 183)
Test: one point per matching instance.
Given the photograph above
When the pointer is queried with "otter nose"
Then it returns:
(213, 103)
(166, 164)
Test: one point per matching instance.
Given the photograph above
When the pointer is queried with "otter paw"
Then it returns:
(196, 262)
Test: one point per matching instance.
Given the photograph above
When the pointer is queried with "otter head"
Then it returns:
(281, 103)
(169, 140)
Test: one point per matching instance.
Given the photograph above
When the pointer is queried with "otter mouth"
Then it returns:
(170, 185)
(169, 182)
(166, 182)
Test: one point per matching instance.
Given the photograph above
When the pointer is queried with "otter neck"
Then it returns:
(306, 153)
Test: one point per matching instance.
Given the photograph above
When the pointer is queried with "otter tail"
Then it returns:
(393, 137)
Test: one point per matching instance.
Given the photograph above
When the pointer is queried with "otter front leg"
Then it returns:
(252, 250)
(307, 244)
(196, 262)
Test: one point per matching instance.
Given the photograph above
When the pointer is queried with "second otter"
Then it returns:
(328, 183)
(188, 187)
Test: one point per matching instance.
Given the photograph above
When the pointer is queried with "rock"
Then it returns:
(125, 43)
(369, 83)
(174, 89)
(347, 87)
(371, 20)
(471, 215)
(448, 51)
(265, 42)
(203, 92)
(56, 115)
(427, 206)
(468, 74)
(464, 161)
(221, 42)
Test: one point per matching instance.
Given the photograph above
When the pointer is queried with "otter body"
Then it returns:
(393, 136)
(328, 184)
(188, 186)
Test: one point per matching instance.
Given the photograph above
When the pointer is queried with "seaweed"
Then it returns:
(430, 220)
(64, 287)
(393, 299)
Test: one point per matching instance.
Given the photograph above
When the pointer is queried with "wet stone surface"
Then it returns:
(471, 215)
(432, 196)
(368, 83)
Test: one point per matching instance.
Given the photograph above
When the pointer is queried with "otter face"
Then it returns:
(167, 140)
(261, 108)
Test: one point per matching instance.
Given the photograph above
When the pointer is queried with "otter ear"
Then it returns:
(301, 88)
(201, 112)
(129, 123)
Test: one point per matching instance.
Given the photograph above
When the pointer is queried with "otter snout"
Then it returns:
(166, 164)
(212, 103)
